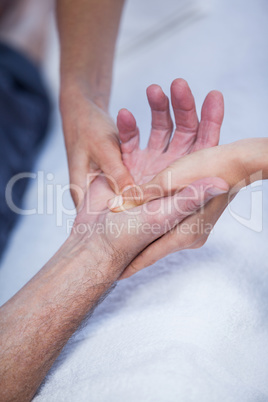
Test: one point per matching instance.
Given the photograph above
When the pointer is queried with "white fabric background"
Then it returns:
(193, 327)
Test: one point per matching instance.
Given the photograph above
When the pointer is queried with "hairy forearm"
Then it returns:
(37, 322)
(88, 31)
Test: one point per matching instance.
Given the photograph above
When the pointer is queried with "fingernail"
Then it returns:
(216, 191)
(115, 202)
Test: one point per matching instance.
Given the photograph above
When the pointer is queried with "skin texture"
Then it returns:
(91, 136)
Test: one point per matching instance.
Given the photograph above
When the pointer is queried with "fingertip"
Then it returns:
(151, 89)
(213, 107)
(179, 87)
(181, 95)
(130, 198)
(157, 98)
(179, 83)
(216, 94)
(124, 113)
(128, 131)
(126, 122)
(115, 203)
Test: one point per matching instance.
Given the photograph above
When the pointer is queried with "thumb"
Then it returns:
(139, 195)
(160, 186)
(116, 173)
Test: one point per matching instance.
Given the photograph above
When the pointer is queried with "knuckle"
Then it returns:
(134, 267)
(192, 204)
(186, 241)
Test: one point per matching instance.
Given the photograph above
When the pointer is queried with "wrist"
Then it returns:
(73, 87)
(98, 263)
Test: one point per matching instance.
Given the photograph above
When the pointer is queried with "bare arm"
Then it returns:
(37, 322)
(88, 31)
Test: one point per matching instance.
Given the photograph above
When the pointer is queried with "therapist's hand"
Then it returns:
(92, 143)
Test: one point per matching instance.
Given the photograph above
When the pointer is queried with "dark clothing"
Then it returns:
(24, 117)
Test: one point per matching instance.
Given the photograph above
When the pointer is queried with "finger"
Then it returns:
(162, 125)
(211, 120)
(191, 233)
(115, 171)
(128, 131)
(186, 119)
(189, 200)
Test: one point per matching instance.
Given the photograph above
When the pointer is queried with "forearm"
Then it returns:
(88, 31)
(37, 322)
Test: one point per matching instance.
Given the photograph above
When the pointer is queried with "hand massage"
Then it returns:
(134, 206)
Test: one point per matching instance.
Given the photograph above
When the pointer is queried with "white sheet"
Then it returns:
(194, 327)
